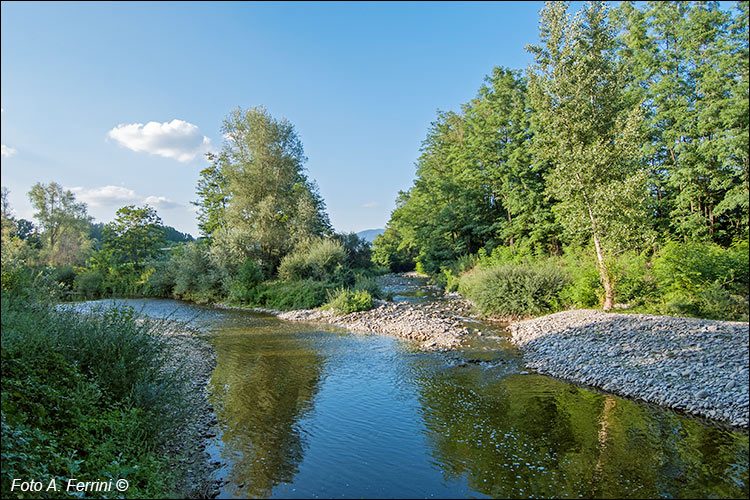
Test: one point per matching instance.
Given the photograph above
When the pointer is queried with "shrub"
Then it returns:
(632, 277)
(358, 252)
(313, 260)
(89, 284)
(584, 288)
(703, 279)
(85, 396)
(196, 276)
(369, 285)
(514, 290)
(345, 301)
(293, 294)
(245, 285)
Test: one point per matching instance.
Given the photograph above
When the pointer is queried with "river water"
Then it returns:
(309, 411)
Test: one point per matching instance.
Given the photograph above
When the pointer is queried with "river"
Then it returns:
(308, 411)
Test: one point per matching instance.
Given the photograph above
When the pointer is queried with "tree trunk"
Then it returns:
(609, 286)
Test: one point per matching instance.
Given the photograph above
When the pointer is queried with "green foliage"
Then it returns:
(64, 223)
(197, 277)
(345, 301)
(294, 294)
(585, 287)
(633, 277)
(263, 197)
(245, 286)
(314, 259)
(84, 396)
(704, 279)
(89, 284)
(358, 251)
(368, 284)
(514, 290)
(390, 251)
(135, 235)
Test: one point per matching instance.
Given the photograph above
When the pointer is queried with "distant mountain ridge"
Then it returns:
(370, 234)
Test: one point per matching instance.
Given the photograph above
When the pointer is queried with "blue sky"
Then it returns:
(361, 83)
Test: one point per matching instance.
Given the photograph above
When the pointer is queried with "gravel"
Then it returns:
(693, 365)
(436, 327)
(196, 358)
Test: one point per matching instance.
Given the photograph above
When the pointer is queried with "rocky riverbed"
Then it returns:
(196, 359)
(434, 327)
(693, 365)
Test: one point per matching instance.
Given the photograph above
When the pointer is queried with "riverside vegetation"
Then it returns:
(614, 170)
(612, 173)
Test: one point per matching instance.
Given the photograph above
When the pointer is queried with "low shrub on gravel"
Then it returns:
(514, 290)
(345, 301)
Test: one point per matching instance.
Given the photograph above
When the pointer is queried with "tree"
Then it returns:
(64, 223)
(256, 197)
(213, 195)
(584, 128)
(135, 235)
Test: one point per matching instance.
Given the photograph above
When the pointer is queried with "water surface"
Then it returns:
(307, 411)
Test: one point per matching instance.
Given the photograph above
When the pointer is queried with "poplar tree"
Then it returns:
(256, 200)
(584, 129)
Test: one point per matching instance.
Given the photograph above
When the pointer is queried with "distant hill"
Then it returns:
(370, 234)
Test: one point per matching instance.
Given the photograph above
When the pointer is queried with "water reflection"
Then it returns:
(530, 435)
(264, 383)
(306, 412)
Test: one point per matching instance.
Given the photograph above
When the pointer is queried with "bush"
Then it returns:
(89, 284)
(358, 252)
(196, 276)
(584, 288)
(345, 301)
(632, 277)
(85, 396)
(368, 284)
(293, 294)
(245, 286)
(703, 279)
(514, 290)
(316, 259)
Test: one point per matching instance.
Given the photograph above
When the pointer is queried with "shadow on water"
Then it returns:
(310, 412)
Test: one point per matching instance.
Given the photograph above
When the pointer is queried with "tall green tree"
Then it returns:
(64, 223)
(263, 202)
(584, 129)
(135, 235)
(213, 195)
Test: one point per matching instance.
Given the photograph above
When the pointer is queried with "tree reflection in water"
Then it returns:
(262, 386)
(530, 435)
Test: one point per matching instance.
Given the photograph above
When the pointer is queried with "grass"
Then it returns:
(84, 396)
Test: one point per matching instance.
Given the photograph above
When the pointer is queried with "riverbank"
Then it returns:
(196, 359)
(693, 365)
(433, 328)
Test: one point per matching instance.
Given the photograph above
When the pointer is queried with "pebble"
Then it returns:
(699, 366)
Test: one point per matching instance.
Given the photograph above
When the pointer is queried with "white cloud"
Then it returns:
(118, 196)
(7, 152)
(160, 202)
(372, 204)
(177, 139)
(106, 196)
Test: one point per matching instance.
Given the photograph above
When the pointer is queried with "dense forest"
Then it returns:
(614, 169)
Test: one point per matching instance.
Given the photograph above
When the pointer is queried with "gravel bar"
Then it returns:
(693, 365)
(434, 329)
